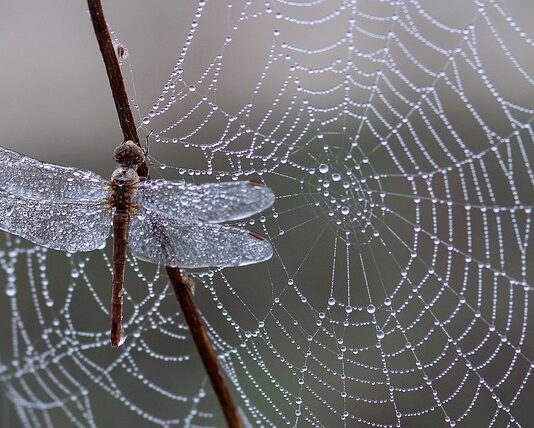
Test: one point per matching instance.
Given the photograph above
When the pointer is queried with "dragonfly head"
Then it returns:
(129, 154)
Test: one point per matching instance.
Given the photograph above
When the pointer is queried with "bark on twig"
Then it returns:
(183, 295)
(180, 288)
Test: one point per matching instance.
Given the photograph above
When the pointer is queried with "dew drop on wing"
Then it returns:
(173, 243)
(29, 178)
(210, 202)
(57, 225)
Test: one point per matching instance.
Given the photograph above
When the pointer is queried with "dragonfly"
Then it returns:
(171, 223)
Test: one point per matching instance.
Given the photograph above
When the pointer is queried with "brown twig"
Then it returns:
(180, 288)
(183, 295)
(116, 82)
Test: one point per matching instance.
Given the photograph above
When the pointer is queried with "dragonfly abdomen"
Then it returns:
(122, 185)
(121, 219)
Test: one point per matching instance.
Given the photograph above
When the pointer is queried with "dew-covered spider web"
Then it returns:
(398, 138)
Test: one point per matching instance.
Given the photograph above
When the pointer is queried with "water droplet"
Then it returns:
(371, 309)
(323, 168)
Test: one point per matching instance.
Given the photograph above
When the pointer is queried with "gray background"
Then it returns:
(56, 106)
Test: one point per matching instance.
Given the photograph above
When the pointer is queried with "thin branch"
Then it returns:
(116, 82)
(180, 288)
(183, 295)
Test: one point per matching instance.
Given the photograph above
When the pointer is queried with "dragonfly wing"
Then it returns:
(159, 239)
(66, 226)
(211, 202)
(29, 178)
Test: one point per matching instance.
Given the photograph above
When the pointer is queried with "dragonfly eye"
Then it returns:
(129, 153)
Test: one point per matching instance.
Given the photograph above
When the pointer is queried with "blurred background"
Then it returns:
(397, 136)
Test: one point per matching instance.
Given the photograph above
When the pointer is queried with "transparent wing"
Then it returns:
(159, 239)
(212, 202)
(23, 176)
(80, 226)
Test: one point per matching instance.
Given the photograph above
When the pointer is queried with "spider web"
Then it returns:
(397, 136)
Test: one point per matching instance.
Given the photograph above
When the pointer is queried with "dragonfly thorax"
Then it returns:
(124, 175)
(123, 184)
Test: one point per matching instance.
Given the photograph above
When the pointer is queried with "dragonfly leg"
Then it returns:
(147, 141)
